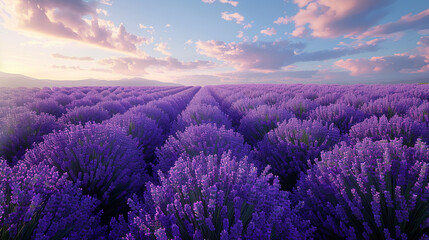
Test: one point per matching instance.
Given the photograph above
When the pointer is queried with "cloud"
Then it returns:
(57, 55)
(247, 26)
(167, 25)
(106, 2)
(301, 32)
(419, 21)
(233, 17)
(283, 20)
(233, 3)
(102, 11)
(272, 56)
(162, 48)
(139, 66)
(149, 29)
(398, 63)
(77, 20)
(67, 67)
(77, 68)
(269, 31)
(240, 34)
(335, 18)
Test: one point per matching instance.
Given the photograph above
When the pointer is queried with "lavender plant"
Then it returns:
(211, 197)
(99, 158)
(20, 128)
(342, 116)
(201, 114)
(84, 114)
(373, 190)
(38, 203)
(206, 138)
(395, 127)
(300, 107)
(255, 124)
(289, 147)
(143, 129)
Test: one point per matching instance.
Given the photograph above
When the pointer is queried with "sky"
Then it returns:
(203, 42)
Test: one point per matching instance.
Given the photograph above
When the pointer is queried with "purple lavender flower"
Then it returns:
(142, 128)
(420, 113)
(300, 107)
(38, 203)
(154, 113)
(391, 105)
(206, 138)
(99, 158)
(20, 128)
(255, 124)
(288, 147)
(201, 114)
(373, 190)
(342, 116)
(47, 106)
(397, 127)
(84, 114)
(209, 197)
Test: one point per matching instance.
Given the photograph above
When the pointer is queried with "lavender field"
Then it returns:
(215, 162)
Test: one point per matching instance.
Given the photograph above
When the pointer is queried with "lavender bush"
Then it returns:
(342, 116)
(288, 148)
(255, 124)
(99, 158)
(206, 138)
(84, 114)
(373, 190)
(201, 114)
(397, 127)
(143, 129)
(210, 197)
(20, 128)
(36, 202)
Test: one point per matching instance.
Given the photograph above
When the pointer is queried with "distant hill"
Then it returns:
(16, 80)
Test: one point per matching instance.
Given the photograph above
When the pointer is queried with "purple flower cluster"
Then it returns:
(288, 148)
(206, 138)
(342, 116)
(20, 129)
(211, 197)
(84, 114)
(143, 129)
(395, 127)
(257, 122)
(100, 158)
(372, 190)
(36, 202)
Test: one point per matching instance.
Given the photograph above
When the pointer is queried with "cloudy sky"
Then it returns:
(203, 42)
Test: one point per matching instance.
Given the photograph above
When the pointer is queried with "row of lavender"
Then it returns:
(208, 187)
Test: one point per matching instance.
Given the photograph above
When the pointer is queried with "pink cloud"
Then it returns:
(271, 56)
(419, 21)
(283, 20)
(233, 17)
(139, 66)
(162, 48)
(398, 63)
(76, 20)
(233, 3)
(334, 18)
(269, 31)
(57, 55)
